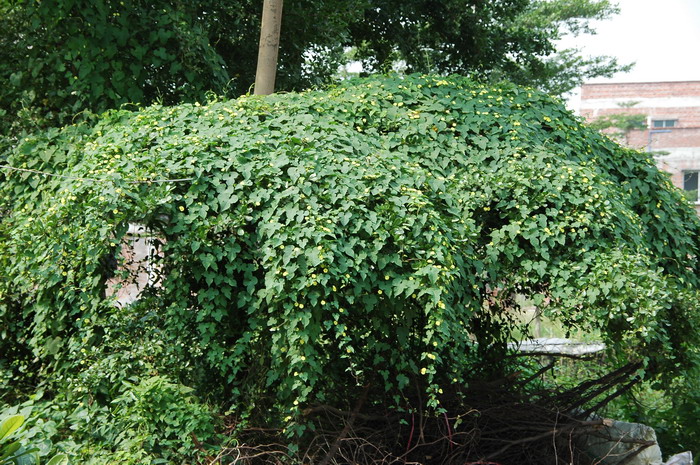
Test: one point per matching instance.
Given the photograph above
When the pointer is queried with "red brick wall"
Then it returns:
(688, 117)
(678, 137)
(641, 90)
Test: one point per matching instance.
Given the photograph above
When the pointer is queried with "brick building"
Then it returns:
(672, 113)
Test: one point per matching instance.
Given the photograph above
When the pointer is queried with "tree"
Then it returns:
(269, 46)
(504, 39)
(63, 57)
(558, 72)
(59, 58)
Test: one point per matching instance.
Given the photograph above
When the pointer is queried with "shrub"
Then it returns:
(161, 419)
(372, 235)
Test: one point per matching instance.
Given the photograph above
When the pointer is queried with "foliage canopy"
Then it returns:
(314, 243)
(59, 58)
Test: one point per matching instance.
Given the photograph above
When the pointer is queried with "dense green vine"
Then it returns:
(314, 243)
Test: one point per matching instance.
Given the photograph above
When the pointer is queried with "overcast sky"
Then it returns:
(661, 36)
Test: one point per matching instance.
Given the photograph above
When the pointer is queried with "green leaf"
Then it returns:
(24, 456)
(8, 449)
(10, 425)
(60, 459)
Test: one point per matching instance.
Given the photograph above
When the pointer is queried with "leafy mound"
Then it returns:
(310, 244)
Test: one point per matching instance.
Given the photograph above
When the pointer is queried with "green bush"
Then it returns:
(160, 419)
(311, 244)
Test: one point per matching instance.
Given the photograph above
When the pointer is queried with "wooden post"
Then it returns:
(269, 45)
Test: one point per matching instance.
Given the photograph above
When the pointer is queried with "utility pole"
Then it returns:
(269, 45)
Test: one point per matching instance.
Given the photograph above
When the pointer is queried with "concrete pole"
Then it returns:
(269, 45)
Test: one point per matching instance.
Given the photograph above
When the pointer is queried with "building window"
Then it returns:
(664, 123)
(690, 185)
